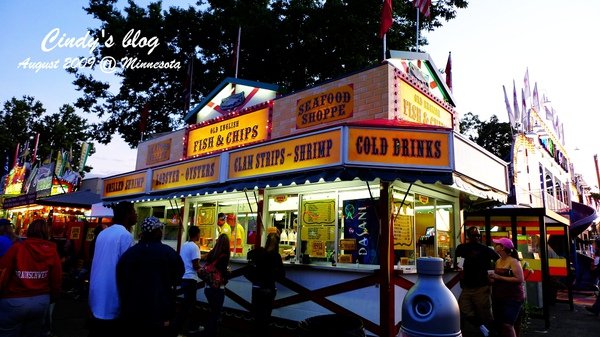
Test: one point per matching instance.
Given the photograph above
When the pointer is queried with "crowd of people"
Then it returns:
(133, 287)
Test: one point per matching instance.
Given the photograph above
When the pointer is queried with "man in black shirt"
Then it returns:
(475, 299)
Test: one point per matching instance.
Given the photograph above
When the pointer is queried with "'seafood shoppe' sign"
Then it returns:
(317, 150)
(329, 106)
(234, 132)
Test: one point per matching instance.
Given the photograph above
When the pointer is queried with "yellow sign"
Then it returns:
(188, 174)
(242, 130)
(418, 108)
(125, 185)
(332, 105)
(158, 152)
(399, 147)
(300, 153)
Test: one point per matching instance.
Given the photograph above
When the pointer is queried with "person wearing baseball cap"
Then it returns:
(508, 292)
(147, 276)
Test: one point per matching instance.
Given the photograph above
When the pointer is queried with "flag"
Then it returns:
(511, 117)
(536, 98)
(526, 81)
(448, 71)
(516, 105)
(562, 132)
(386, 18)
(423, 6)
(35, 148)
(187, 84)
(144, 117)
(549, 113)
(85, 151)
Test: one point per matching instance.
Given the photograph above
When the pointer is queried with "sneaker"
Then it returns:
(484, 330)
(198, 330)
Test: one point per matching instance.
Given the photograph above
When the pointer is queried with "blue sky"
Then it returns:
(492, 42)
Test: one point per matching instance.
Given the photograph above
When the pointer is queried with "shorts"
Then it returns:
(507, 311)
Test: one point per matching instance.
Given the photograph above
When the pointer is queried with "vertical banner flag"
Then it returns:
(536, 98)
(549, 114)
(423, 6)
(511, 117)
(523, 102)
(448, 71)
(85, 152)
(518, 117)
(386, 18)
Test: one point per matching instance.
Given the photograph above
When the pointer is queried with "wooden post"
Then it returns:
(386, 263)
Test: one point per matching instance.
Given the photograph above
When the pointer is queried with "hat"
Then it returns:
(505, 242)
(150, 223)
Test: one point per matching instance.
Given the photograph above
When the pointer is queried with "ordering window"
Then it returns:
(423, 226)
(334, 225)
(234, 216)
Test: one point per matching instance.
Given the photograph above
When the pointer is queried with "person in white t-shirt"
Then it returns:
(111, 243)
(190, 254)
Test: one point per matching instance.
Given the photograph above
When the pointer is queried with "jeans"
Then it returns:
(262, 306)
(215, 298)
(23, 316)
(187, 321)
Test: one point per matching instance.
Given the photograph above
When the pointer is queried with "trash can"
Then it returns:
(331, 325)
(429, 308)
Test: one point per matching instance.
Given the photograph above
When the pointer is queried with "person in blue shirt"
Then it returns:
(7, 235)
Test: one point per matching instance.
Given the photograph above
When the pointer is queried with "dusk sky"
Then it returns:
(493, 42)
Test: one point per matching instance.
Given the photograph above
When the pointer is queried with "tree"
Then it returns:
(493, 135)
(22, 119)
(292, 43)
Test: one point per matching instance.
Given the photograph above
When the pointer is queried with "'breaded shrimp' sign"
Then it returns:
(325, 107)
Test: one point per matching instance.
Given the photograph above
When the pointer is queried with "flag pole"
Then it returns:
(417, 30)
(237, 51)
(384, 45)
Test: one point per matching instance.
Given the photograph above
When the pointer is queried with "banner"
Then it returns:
(361, 224)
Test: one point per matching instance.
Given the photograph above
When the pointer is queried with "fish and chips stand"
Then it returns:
(361, 176)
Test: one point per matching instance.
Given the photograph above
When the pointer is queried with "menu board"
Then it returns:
(403, 233)
(318, 212)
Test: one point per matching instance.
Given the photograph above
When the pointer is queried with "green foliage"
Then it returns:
(292, 43)
(492, 135)
(22, 119)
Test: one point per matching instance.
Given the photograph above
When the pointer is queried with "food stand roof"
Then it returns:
(84, 198)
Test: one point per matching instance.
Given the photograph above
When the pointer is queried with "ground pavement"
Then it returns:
(70, 321)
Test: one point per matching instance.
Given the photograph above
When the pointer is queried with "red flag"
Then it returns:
(386, 18)
(423, 6)
(144, 114)
(448, 71)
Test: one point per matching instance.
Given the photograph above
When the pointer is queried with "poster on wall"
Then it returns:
(360, 224)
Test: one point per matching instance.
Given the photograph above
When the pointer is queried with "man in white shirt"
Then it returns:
(110, 245)
(190, 254)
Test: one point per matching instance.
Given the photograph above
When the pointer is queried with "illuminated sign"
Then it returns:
(158, 152)
(125, 185)
(399, 148)
(188, 174)
(325, 107)
(418, 108)
(316, 150)
(234, 132)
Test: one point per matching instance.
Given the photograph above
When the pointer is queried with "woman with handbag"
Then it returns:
(33, 279)
(215, 269)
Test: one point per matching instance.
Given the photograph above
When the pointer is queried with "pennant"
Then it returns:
(144, 114)
(448, 71)
(386, 18)
(526, 81)
(85, 152)
(549, 113)
(536, 98)
(423, 6)
(511, 117)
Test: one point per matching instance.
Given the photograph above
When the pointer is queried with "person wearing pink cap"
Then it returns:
(508, 293)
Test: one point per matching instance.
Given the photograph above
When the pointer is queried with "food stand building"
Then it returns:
(361, 175)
